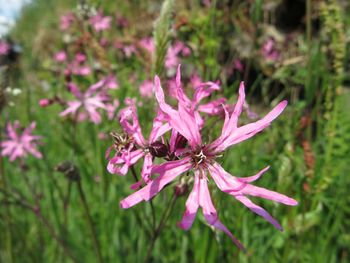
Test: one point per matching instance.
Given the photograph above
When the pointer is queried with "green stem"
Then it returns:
(8, 234)
(90, 223)
(160, 227)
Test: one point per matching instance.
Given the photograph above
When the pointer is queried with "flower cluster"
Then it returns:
(186, 152)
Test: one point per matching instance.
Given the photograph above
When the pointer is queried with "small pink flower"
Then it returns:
(78, 66)
(122, 160)
(172, 57)
(19, 145)
(201, 159)
(237, 64)
(60, 56)
(129, 50)
(4, 48)
(121, 21)
(66, 21)
(269, 50)
(146, 89)
(195, 80)
(44, 103)
(102, 136)
(80, 57)
(87, 101)
(100, 22)
(147, 44)
(111, 109)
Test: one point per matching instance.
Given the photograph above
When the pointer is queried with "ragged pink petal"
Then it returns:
(183, 121)
(258, 210)
(192, 205)
(167, 173)
(210, 213)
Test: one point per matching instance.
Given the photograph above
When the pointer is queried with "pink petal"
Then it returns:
(192, 205)
(182, 120)
(147, 168)
(210, 213)
(132, 128)
(258, 210)
(267, 194)
(167, 173)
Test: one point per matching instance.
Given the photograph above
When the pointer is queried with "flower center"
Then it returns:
(198, 158)
(121, 141)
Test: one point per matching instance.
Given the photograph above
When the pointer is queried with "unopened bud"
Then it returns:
(158, 149)
(181, 189)
(69, 170)
(180, 142)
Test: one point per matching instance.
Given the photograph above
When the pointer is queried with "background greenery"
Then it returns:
(308, 147)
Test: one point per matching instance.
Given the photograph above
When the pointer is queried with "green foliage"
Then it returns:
(308, 147)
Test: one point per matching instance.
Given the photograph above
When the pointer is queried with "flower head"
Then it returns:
(90, 102)
(201, 159)
(132, 146)
(100, 22)
(19, 145)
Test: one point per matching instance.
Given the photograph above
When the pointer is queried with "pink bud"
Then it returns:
(44, 103)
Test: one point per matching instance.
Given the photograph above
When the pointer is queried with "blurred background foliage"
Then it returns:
(296, 50)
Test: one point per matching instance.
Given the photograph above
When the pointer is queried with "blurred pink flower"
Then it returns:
(148, 44)
(78, 66)
(20, 145)
(269, 50)
(4, 47)
(100, 22)
(174, 51)
(129, 50)
(195, 80)
(121, 21)
(66, 21)
(87, 101)
(201, 159)
(146, 89)
(111, 109)
(237, 64)
(44, 103)
(60, 56)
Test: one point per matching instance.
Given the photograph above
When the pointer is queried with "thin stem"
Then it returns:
(160, 227)
(21, 201)
(90, 223)
(308, 36)
(8, 234)
(133, 172)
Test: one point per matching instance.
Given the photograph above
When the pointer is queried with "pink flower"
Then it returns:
(44, 103)
(20, 145)
(201, 159)
(172, 57)
(66, 21)
(100, 22)
(269, 50)
(129, 50)
(78, 66)
(203, 90)
(111, 109)
(146, 89)
(129, 155)
(4, 48)
(89, 102)
(195, 80)
(60, 56)
(148, 44)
